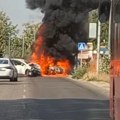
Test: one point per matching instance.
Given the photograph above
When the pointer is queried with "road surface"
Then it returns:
(48, 98)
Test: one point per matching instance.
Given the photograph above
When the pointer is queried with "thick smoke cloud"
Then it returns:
(66, 22)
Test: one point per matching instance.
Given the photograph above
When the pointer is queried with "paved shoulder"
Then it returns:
(100, 87)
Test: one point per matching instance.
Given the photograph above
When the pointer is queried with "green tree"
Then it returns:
(93, 18)
(16, 47)
(104, 34)
(104, 63)
(28, 37)
(7, 32)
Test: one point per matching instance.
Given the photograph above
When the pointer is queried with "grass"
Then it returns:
(101, 77)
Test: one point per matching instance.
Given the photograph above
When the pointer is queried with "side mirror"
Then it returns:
(104, 10)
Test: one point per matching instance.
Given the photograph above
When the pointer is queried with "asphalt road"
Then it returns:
(47, 98)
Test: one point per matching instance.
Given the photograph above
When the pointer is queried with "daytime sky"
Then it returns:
(18, 13)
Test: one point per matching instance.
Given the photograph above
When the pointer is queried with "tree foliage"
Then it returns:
(104, 63)
(104, 34)
(10, 42)
(28, 37)
(7, 32)
(93, 18)
(16, 47)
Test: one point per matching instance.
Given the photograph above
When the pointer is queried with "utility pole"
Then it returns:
(23, 47)
(34, 32)
(109, 35)
(98, 47)
(9, 53)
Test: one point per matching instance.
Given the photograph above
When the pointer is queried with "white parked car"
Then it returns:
(21, 65)
(8, 70)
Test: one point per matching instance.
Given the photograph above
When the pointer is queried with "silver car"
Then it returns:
(8, 70)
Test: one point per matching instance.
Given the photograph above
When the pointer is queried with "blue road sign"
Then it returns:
(82, 46)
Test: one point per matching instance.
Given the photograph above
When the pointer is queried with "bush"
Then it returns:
(79, 73)
(104, 65)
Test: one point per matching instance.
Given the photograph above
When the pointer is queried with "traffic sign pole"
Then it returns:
(81, 59)
(81, 46)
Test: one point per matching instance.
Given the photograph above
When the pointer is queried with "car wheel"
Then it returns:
(14, 79)
(27, 72)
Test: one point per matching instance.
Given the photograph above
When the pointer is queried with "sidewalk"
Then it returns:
(97, 85)
(103, 85)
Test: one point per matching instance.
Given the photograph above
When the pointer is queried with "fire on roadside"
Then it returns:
(49, 65)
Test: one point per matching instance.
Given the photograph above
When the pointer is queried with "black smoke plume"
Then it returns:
(66, 22)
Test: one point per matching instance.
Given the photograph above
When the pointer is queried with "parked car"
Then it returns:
(21, 65)
(8, 70)
(35, 70)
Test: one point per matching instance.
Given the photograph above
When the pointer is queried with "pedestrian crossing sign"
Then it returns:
(82, 46)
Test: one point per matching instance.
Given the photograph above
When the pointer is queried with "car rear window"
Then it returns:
(3, 61)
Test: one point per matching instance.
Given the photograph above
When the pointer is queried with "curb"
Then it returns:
(102, 88)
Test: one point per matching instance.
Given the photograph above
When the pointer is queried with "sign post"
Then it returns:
(81, 46)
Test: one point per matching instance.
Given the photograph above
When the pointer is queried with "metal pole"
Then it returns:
(109, 34)
(98, 47)
(81, 61)
(23, 47)
(34, 33)
(9, 45)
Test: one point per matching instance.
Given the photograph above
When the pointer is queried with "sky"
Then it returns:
(19, 14)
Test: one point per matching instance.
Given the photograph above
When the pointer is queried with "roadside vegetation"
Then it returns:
(79, 72)
(12, 43)
(85, 72)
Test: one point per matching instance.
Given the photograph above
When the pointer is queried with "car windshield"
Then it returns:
(3, 61)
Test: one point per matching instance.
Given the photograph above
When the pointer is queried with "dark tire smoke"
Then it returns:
(66, 24)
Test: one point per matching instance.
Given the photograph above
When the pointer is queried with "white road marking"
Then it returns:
(24, 96)
(24, 90)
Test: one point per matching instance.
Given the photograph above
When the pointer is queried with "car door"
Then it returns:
(20, 66)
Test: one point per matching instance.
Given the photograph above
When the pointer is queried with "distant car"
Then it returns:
(35, 70)
(54, 70)
(8, 70)
(22, 66)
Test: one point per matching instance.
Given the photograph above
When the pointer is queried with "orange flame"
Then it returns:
(39, 57)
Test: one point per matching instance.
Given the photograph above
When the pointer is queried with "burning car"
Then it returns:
(52, 70)
(34, 71)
